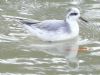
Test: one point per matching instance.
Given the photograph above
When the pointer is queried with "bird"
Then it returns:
(56, 30)
(63, 35)
(66, 30)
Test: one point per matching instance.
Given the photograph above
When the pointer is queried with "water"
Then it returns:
(18, 58)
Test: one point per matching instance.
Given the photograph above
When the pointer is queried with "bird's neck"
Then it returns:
(73, 25)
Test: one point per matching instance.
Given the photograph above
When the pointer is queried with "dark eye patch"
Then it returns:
(73, 14)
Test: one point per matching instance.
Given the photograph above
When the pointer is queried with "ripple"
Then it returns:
(17, 74)
(76, 2)
(1, 9)
(4, 38)
(95, 53)
(16, 61)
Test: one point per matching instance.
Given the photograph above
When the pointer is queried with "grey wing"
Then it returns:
(51, 25)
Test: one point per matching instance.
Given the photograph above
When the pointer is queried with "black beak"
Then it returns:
(83, 19)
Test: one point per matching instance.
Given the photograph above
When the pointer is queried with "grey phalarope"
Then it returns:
(66, 30)
(56, 30)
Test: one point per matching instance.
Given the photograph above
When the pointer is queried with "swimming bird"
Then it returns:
(56, 30)
(62, 34)
(66, 30)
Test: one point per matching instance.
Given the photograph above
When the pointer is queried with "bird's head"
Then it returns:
(74, 14)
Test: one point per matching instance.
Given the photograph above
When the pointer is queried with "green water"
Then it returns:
(18, 58)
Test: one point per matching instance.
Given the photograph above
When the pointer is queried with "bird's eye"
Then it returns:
(73, 14)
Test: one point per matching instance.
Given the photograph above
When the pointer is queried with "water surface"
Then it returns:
(18, 58)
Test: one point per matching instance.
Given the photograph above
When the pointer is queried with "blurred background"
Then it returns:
(17, 59)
